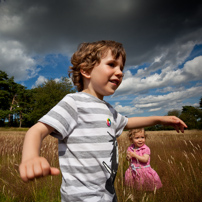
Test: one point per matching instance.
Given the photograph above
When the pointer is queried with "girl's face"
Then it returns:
(138, 139)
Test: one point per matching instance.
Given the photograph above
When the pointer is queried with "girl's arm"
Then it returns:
(142, 159)
(32, 165)
(128, 156)
(141, 122)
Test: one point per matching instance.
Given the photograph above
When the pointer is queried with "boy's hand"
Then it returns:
(36, 167)
(177, 123)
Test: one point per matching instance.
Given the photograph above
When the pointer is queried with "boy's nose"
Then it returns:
(119, 73)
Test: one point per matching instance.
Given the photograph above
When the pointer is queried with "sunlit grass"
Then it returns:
(3, 129)
(177, 158)
(12, 188)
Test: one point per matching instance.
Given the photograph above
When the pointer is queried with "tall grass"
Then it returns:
(3, 129)
(177, 158)
(12, 189)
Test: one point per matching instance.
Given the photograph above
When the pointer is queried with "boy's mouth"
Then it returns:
(115, 81)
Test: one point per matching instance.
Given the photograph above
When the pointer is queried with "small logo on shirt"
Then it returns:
(109, 122)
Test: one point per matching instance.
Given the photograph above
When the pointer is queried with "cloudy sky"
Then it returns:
(163, 41)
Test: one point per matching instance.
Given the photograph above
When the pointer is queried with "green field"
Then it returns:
(177, 158)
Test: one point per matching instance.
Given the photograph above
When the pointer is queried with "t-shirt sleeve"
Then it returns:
(121, 123)
(63, 117)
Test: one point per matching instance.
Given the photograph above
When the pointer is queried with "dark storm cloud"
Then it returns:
(158, 36)
(144, 27)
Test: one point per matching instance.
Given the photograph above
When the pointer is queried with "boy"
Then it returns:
(86, 127)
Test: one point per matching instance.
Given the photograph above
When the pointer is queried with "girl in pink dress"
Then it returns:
(140, 175)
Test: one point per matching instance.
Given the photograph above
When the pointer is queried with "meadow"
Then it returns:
(177, 158)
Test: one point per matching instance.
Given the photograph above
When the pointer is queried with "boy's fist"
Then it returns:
(35, 168)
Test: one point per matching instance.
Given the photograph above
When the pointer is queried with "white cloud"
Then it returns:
(10, 23)
(39, 81)
(31, 30)
(155, 109)
(194, 68)
(15, 62)
(141, 72)
(170, 89)
(163, 103)
(60, 80)
(132, 84)
(167, 100)
(126, 110)
(158, 58)
(196, 104)
(127, 74)
(57, 80)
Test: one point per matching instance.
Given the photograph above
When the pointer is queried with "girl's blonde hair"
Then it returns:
(89, 54)
(132, 132)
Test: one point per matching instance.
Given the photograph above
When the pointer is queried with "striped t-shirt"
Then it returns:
(86, 128)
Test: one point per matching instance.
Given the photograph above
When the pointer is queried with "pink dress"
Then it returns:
(140, 175)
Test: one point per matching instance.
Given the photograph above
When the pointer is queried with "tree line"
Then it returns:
(21, 107)
(192, 116)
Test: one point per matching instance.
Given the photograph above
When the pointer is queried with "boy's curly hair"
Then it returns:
(89, 54)
(132, 132)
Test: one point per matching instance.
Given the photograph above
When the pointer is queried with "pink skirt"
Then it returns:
(143, 179)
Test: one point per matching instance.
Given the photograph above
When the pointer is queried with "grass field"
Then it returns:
(177, 158)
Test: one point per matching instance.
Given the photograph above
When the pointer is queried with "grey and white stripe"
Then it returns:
(84, 143)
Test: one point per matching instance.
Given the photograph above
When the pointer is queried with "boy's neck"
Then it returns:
(93, 94)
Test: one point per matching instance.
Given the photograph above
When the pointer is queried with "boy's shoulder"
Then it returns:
(87, 98)
(75, 96)
(83, 100)
(82, 96)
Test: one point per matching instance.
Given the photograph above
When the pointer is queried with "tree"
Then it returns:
(192, 117)
(200, 114)
(47, 95)
(22, 105)
(6, 95)
(14, 101)
(174, 112)
(200, 103)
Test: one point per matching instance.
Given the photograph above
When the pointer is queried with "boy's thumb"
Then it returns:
(54, 171)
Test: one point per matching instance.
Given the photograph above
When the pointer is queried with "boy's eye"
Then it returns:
(111, 64)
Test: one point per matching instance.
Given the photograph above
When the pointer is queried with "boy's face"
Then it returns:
(105, 77)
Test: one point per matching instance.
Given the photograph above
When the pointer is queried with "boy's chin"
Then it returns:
(108, 94)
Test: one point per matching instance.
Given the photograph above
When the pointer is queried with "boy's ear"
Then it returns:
(85, 73)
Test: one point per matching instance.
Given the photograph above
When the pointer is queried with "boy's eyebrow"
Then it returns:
(112, 60)
(115, 61)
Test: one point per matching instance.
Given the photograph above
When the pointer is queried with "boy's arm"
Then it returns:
(32, 165)
(141, 122)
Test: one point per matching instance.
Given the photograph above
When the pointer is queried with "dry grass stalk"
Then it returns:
(177, 158)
